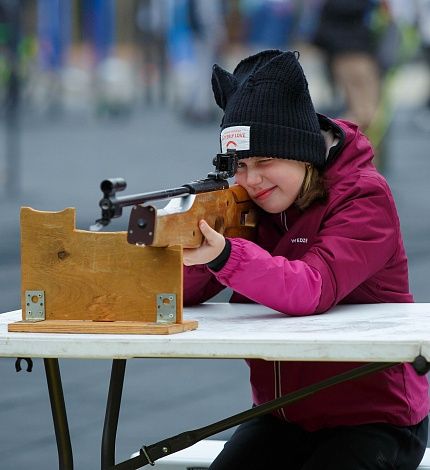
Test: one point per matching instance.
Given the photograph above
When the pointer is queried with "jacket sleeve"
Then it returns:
(355, 241)
(358, 238)
(199, 284)
(291, 287)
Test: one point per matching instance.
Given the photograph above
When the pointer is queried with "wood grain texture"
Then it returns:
(94, 276)
(230, 212)
(96, 327)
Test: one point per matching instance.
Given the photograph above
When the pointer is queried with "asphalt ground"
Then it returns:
(63, 160)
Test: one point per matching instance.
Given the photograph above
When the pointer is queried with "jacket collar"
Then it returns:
(327, 124)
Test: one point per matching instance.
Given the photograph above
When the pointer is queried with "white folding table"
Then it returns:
(378, 335)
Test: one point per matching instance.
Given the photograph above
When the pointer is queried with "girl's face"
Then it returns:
(272, 183)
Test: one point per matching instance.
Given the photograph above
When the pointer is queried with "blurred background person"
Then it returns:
(344, 33)
(269, 24)
(152, 26)
(54, 40)
(364, 44)
(423, 23)
(196, 34)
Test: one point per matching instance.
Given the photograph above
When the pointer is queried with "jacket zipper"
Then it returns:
(284, 221)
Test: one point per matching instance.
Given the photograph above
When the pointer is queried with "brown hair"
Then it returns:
(313, 188)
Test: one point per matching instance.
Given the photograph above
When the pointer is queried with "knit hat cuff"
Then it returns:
(271, 140)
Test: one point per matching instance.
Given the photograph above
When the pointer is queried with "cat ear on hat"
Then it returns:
(224, 84)
(253, 63)
(284, 68)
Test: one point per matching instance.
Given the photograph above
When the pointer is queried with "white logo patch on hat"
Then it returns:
(235, 138)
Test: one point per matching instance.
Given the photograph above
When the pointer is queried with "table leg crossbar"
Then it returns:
(149, 454)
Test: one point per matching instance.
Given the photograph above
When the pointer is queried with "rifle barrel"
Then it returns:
(111, 204)
(134, 199)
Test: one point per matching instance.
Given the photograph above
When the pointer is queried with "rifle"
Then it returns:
(227, 209)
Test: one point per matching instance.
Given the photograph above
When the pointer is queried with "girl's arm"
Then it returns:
(199, 284)
(291, 287)
(356, 240)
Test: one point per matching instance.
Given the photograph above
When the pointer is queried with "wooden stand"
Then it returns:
(89, 282)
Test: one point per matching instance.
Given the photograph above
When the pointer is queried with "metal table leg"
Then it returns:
(112, 413)
(56, 397)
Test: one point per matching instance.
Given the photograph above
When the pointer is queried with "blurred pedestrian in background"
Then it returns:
(195, 37)
(423, 21)
(54, 39)
(269, 23)
(363, 43)
(152, 25)
(344, 33)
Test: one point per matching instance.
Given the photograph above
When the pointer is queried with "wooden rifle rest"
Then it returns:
(95, 282)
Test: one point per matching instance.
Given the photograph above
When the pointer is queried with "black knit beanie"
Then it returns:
(268, 111)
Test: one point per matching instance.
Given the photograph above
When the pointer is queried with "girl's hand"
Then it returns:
(212, 246)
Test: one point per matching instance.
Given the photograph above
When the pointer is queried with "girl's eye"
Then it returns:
(265, 160)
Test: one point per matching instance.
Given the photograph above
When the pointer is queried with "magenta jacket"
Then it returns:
(347, 250)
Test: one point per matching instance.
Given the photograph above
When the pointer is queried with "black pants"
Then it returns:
(268, 443)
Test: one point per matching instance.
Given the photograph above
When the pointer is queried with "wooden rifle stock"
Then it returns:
(229, 211)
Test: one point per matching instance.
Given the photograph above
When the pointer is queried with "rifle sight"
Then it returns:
(113, 185)
(225, 165)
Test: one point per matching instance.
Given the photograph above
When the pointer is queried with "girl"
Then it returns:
(328, 233)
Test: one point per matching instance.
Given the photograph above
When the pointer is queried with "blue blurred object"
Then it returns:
(54, 32)
(179, 37)
(270, 23)
(99, 25)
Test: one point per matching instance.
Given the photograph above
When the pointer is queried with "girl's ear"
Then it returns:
(224, 84)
